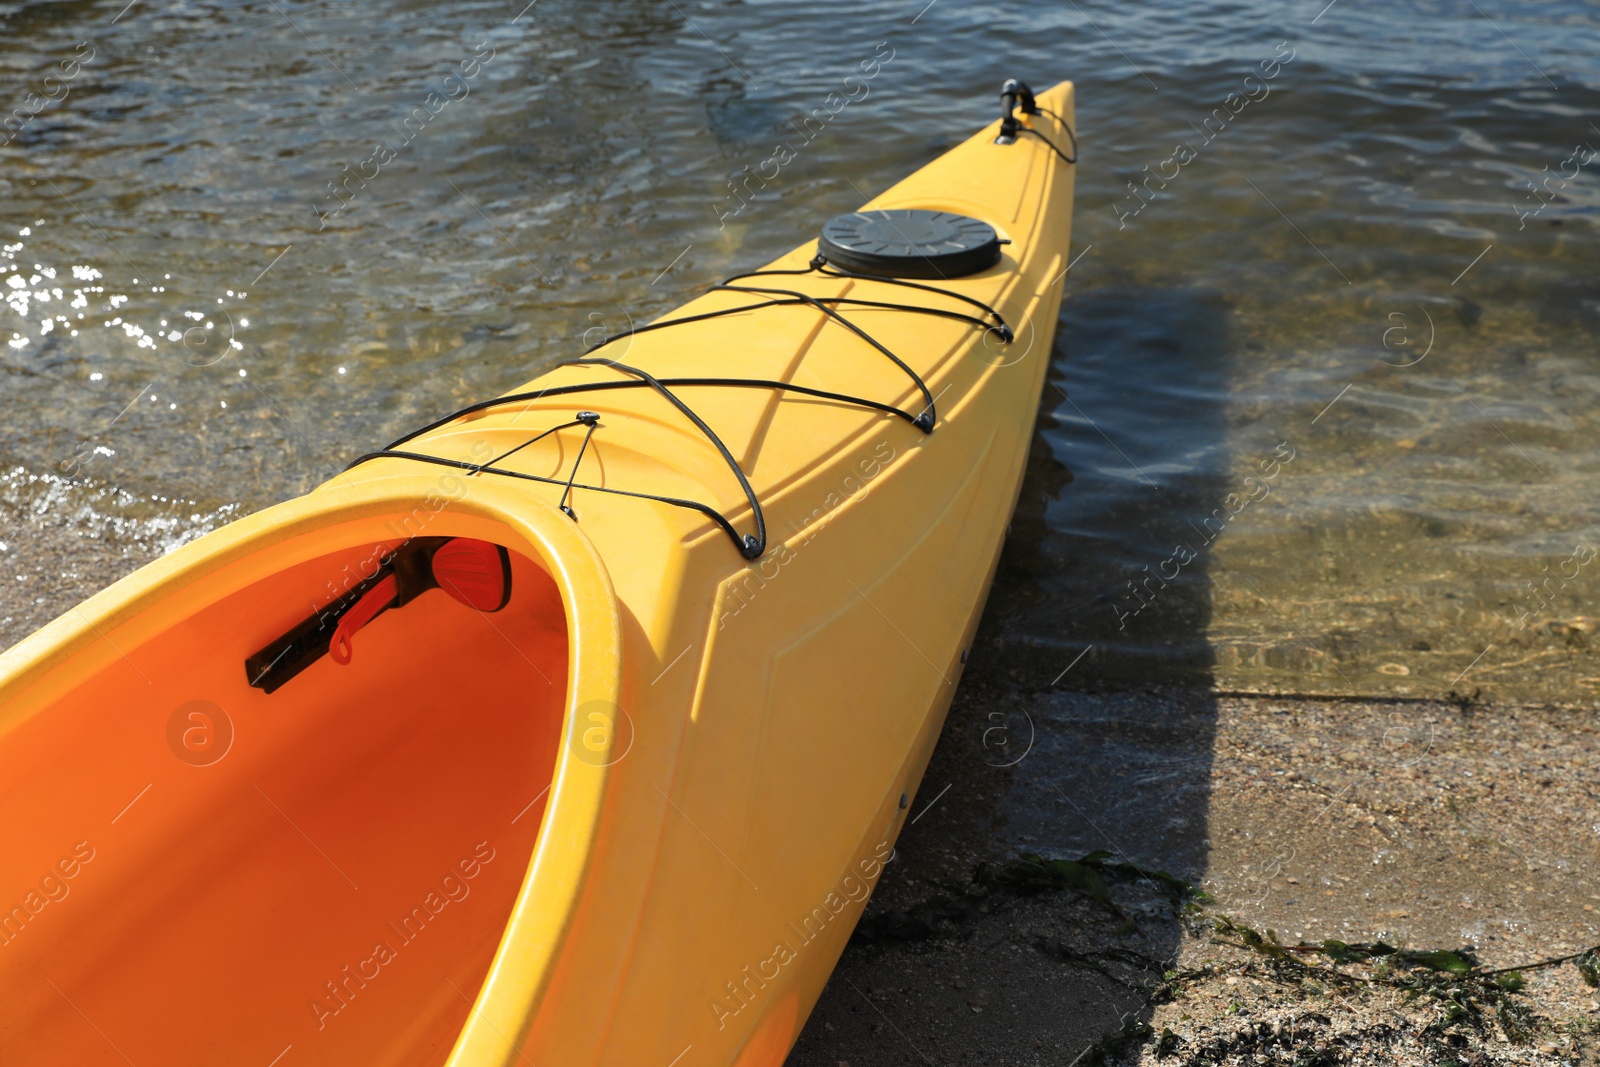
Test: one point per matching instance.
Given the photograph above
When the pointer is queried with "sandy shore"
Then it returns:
(1421, 825)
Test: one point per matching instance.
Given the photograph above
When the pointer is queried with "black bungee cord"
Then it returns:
(1016, 97)
(750, 546)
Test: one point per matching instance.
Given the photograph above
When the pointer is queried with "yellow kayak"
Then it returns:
(574, 728)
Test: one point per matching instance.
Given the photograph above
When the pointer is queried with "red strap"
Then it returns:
(365, 610)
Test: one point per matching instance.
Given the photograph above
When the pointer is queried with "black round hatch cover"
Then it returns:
(905, 243)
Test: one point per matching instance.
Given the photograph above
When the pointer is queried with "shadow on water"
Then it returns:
(1083, 722)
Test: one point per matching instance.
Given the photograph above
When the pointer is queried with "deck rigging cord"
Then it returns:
(1053, 146)
(751, 546)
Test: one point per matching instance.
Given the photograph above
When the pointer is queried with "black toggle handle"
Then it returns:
(1017, 95)
(1014, 96)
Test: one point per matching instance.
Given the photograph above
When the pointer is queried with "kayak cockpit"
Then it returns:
(201, 871)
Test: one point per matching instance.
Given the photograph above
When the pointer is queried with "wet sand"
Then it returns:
(62, 541)
(1425, 825)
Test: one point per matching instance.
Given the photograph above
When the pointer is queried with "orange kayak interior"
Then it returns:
(219, 875)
